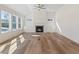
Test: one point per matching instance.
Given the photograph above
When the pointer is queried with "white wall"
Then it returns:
(39, 18)
(28, 24)
(68, 20)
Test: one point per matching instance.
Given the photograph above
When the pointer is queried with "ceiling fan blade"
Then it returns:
(40, 6)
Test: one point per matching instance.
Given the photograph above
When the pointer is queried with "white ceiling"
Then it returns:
(28, 8)
(54, 7)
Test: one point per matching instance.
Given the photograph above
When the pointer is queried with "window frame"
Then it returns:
(19, 23)
(7, 19)
(15, 23)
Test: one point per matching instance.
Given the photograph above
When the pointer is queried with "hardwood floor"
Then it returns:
(40, 43)
(51, 43)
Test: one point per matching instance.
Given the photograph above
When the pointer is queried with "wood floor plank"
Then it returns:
(44, 43)
(49, 43)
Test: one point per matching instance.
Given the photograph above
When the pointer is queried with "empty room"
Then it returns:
(39, 28)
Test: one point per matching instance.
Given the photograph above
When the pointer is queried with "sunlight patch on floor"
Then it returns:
(2, 47)
(13, 46)
(21, 38)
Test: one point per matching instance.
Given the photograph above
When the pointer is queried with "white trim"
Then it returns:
(58, 26)
(16, 22)
(10, 23)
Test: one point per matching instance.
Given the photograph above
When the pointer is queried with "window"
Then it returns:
(4, 21)
(19, 22)
(9, 22)
(14, 23)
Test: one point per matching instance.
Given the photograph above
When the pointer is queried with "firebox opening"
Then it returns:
(39, 29)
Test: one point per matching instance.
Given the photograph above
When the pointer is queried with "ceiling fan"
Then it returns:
(40, 6)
